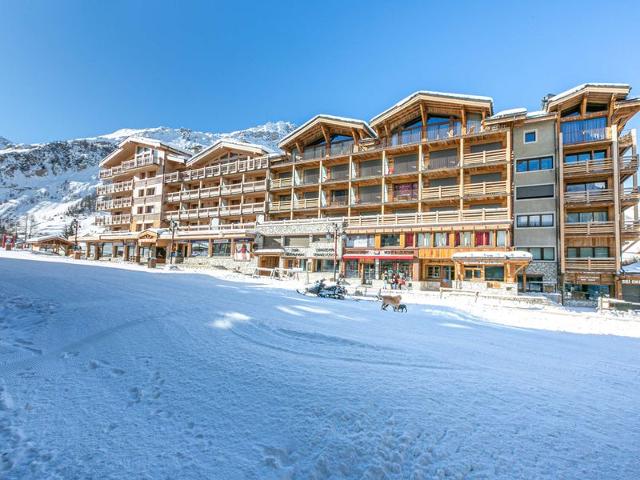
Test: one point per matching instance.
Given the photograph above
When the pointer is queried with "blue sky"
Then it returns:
(71, 69)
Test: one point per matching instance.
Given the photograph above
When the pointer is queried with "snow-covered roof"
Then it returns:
(633, 268)
(229, 143)
(46, 238)
(511, 112)
(330, 118)
(430, 93)
(583, 86)
(145, 141)
(513, 255)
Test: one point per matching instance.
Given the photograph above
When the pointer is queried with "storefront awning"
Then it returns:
(357, 256)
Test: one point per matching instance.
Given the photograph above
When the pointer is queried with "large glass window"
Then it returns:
(495, 274)
(536, 220)
(221, 248)
(501, 238)
(463, 239)
(588, 252)
(584, 217)
(441, 239)
(199, 248)
(541, 253)
(360, 241)
(483, 239)
(425, 239)
(589, 130)
(583, 187)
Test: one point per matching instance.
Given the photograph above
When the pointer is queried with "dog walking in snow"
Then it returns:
(393, 300)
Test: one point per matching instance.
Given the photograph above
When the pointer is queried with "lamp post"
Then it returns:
(335, 229)
(172, 226)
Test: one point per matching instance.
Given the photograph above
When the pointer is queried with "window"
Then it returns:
(409, 239)
(535, 191)
(199, 248)
(534, 164)
(148, 209)
(588, 252)
(389, 240)
(360, 241)
(530, 136)
(540, 253)
(501, 238)
(140, 210)
(585, 156)
(424, 240)
(441, 239)
(151, 191)
(483, 239)
(141, 192)
(463, 239)
(583, 187)
(472, 273)
(537, 220)
(495, 274)
(584, 217)
(221, 248)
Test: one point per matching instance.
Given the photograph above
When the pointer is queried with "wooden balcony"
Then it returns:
(491, 157)
(280, 206)
(589, 229)
(630, 195)
(281, 182)
(139, 161)
(485, 189)
(337, 203)
(602, 166)
(588, 197)
(305, 203)
(589, 264)
(437, 194)
(227, 168)
(112, 188)
(245, 209)
(631, 230)
(628, 164)
(479, 216)
(113, 204)
(193, 194)
(222, 229)
(192, 213)
(113, 220)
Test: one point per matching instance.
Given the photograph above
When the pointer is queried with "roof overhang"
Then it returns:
(452, 100)
(314, 128)
(50, 239)
(127, 147)
(223, 146)
(597, 92)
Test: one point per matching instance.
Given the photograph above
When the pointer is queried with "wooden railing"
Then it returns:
(599, 166)
(589, 264)
(337, 202)
(485, 157)
(589, 196)
(205, 212)
(589, 228)
(237, 166)
(143, 160)
(629, 163)
(221, 228)
(114, 220)
(280, 206)
(307, 203)
(114, 188)
(434, 218)
(245, 209)
(631, 194)
(114, 203)
(485, 189)
(281, 182)
(440, 193)
(631, 229)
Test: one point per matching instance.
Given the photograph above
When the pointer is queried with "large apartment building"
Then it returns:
(438, 188)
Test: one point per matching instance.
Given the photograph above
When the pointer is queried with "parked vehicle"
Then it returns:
(324, 290)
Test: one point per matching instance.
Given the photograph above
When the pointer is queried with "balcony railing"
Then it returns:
(281, 182)
(337, 202)
(631, 194)
(485, 189)
(443, 131)
(589, 229)
(485, 215)
(113, 220)
(407, 136)
(440, 193)
(194, 194)
(367, 200)
(280, 206)
(114, 203)
(336, 177)
(221, 228)
(112, 188)
(368, 172)
(588, 167)
(485, 157)
(631, 229)
(143, 160)
(307, 203)
(341, 148)
(590, 264)
(443, 163)
(403, 197)
(629, 163)
(583, 131)
(236, 166)
(311, 153)
(192, 213)
(589, 196)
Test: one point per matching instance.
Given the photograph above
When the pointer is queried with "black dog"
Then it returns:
(400, 308)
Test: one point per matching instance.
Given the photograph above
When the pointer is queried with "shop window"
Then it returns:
(472, 273)
(494, 273)
(199, 248)
(325, 266)
(360, 241)
(534, 283)
(221, 248)
(433, 271)
(351, 269)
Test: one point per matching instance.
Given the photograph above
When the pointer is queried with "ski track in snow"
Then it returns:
(116, 373)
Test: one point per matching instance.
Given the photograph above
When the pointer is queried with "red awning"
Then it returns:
(356, 256)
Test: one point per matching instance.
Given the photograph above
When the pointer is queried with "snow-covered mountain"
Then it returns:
(43, 186)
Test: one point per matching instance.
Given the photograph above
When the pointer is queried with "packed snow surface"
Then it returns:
(129, 373)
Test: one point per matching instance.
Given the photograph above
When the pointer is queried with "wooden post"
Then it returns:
(461, 175)
(616, 195)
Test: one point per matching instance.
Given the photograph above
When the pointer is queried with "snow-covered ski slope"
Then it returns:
(123, 373)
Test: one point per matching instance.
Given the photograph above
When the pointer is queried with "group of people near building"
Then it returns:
(394, 281)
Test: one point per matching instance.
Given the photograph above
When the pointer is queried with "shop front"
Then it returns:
(588, 286)
(372, 266)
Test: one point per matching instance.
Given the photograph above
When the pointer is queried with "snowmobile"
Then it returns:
(321, 289)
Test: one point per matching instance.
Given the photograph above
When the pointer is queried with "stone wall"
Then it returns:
(222, 262)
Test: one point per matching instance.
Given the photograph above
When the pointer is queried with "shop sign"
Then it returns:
(324, 252)
(293, 252)
(587, 279)
(631, 281)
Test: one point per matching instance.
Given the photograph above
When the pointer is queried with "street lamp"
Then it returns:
(335, 229)
(172, 226)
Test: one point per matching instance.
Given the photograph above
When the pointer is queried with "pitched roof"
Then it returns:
(229, 143)
(353, 122)
(145, 141)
